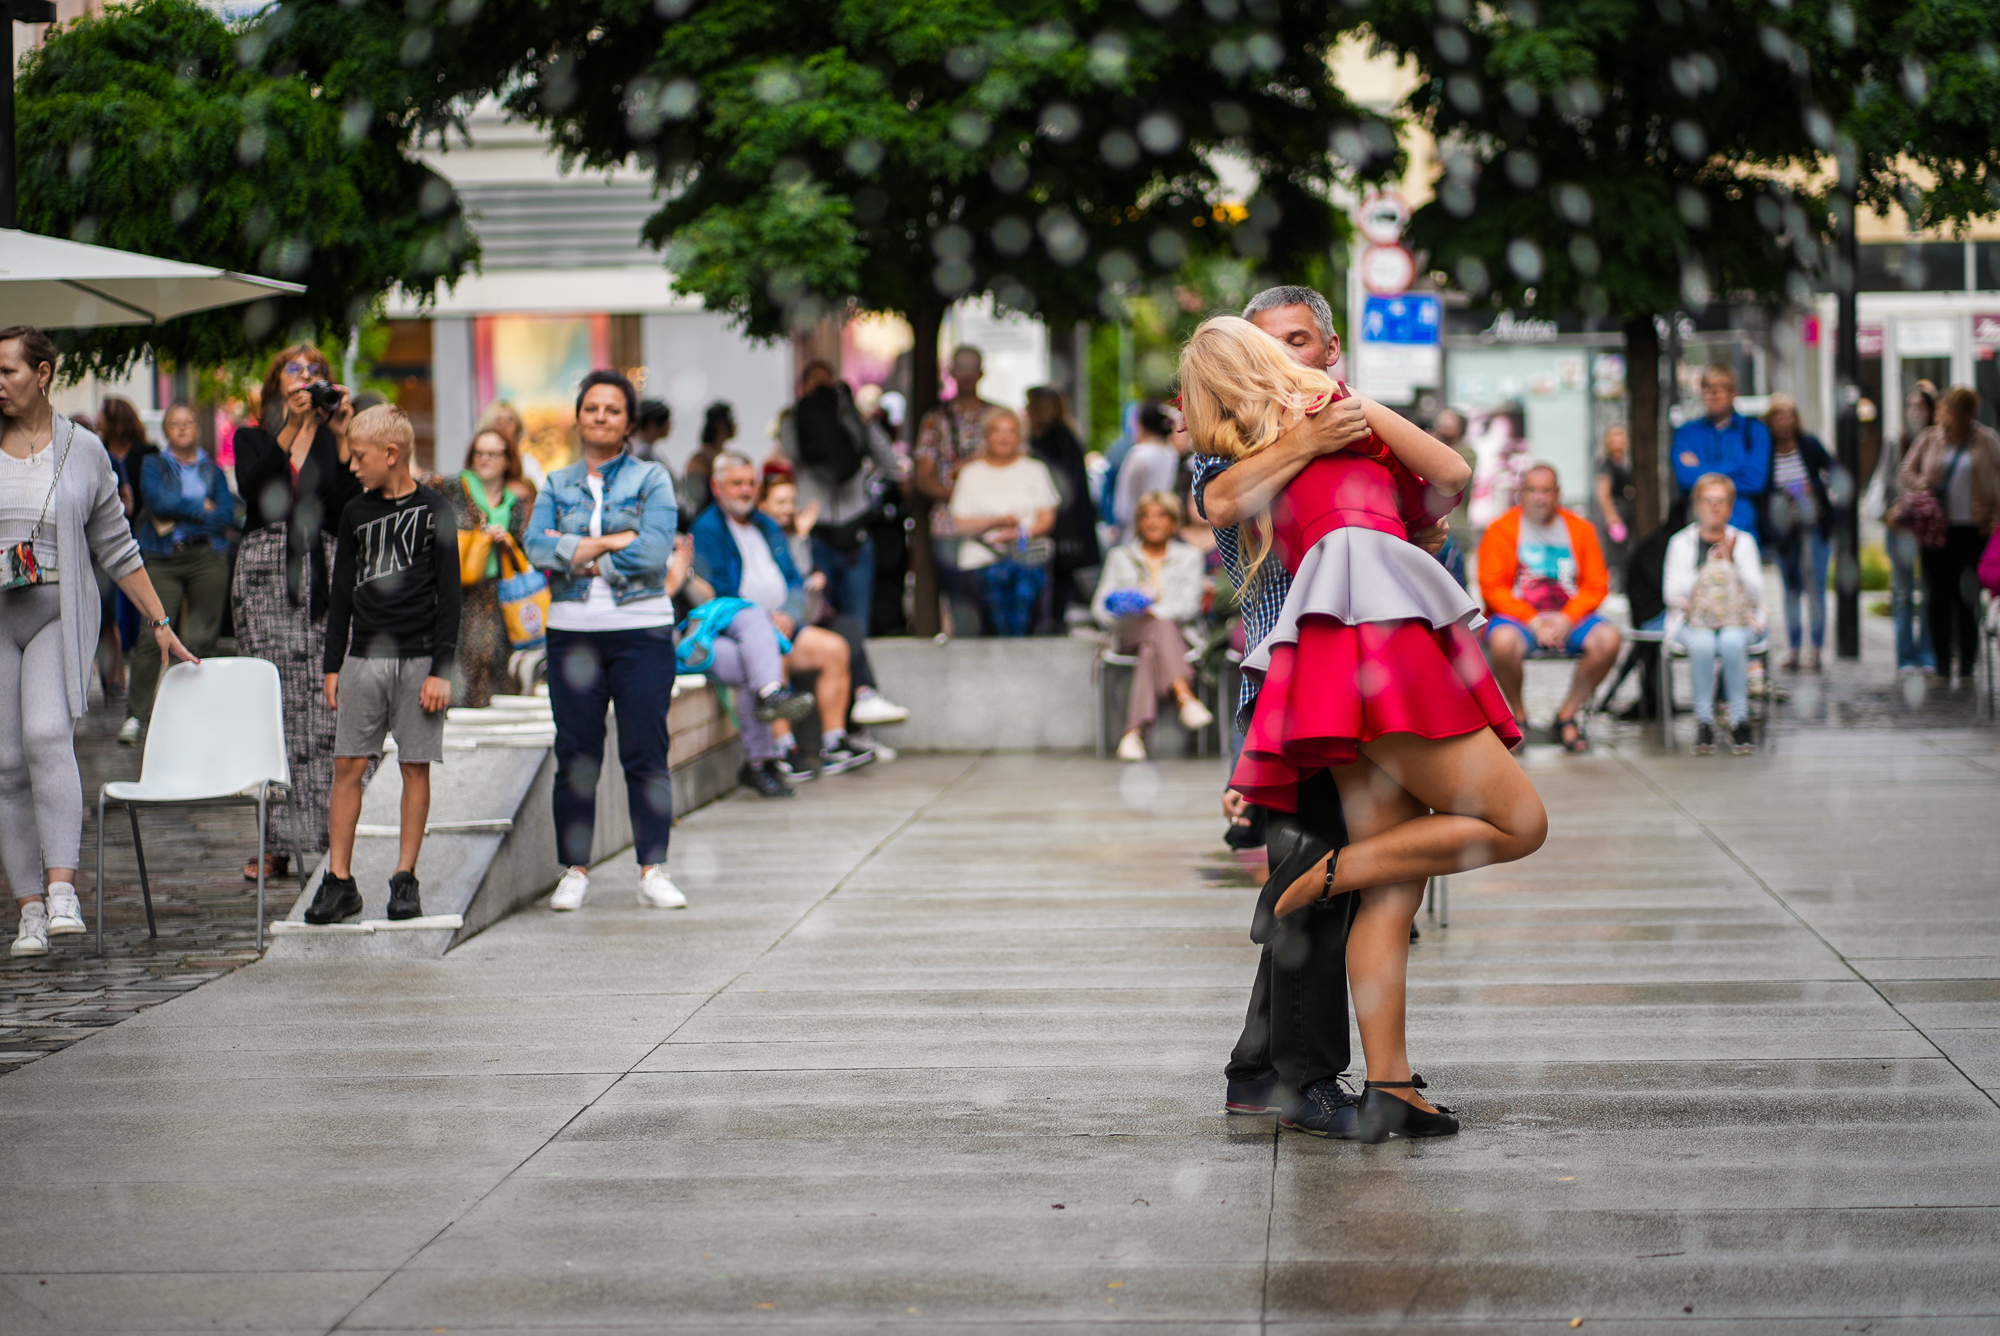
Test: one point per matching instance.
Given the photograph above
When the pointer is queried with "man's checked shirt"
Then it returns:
(1261, 605)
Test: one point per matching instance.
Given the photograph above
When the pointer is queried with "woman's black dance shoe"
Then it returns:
(1383, 1115)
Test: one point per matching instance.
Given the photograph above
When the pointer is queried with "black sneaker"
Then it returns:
(847, 755)
(1741, 740)
(403, 901)
(784, 703)
(763, 776)
(1266, 1094)
(1704, 739)
(338, 898)
(1322, 1109)
(794, 771)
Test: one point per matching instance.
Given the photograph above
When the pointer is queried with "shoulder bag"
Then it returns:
(18, 564)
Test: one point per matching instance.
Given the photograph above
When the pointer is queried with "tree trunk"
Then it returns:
(1642, 425)
(925, 324)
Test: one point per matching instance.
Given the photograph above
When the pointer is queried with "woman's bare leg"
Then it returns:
(1378, 945)
(1483, 811)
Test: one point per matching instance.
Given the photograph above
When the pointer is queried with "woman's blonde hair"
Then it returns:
(1236, 384)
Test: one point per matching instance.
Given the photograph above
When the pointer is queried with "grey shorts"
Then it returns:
(382, 696)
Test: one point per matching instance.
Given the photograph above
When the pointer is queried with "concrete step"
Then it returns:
(490, 843)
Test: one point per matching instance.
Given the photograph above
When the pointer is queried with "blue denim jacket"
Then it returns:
(160, 494)
(638, 496)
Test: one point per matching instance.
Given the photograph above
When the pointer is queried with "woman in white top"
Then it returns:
(59, 509)
(1003, 501)
(604, 528)
(1152, 587)
(1714, 590)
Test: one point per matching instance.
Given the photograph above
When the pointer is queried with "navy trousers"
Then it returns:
(588, 671)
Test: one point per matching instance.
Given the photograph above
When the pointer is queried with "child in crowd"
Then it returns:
(391, 633)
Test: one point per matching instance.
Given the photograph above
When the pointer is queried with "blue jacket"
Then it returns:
(160, 493)
(638, 497)
(1740, 450)
(717, 561)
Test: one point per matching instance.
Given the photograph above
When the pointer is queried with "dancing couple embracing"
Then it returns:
(1378, 742)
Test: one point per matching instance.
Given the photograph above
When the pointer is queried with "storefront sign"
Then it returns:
(1869, 341)
(1985, 330)
(1924, 338)
(1506, 328)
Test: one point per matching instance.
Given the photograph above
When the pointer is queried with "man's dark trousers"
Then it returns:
(1296, 1027)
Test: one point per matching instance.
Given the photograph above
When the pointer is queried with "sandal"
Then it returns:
(1569, 732)
(275, 865)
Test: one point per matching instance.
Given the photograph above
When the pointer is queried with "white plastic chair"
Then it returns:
(217, 739)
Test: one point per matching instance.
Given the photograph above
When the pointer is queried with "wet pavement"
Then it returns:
(938, 1047)
(205, 911)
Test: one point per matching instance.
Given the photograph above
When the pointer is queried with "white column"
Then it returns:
(454, 389)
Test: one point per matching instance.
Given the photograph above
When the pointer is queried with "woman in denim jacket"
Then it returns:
(604, 530)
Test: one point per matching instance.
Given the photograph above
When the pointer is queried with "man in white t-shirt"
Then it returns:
(742, 554)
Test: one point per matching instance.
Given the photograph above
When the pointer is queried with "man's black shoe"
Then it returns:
(1250, 836)
(784, 703)
(1266, 1094)
(403, 901)
(763, 776)
(1323, 1109)
(338, 898)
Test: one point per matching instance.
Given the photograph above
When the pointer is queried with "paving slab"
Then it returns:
(937, 1048)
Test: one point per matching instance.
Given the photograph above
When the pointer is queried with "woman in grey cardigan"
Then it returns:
(58, 496)
(1152, 587)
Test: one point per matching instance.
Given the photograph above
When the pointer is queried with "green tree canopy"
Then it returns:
(893, 156)
(1631, 158)
(155, 128)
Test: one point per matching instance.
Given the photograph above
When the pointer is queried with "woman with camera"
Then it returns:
(59, 509)
(292, 473)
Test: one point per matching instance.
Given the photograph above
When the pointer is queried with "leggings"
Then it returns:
(41, 794)
(746, 657)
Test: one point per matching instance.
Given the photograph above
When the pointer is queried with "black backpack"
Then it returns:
(826, 443)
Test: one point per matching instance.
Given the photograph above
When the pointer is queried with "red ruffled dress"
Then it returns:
(1375, 636)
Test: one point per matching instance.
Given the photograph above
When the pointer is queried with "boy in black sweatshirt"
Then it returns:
(391, 632)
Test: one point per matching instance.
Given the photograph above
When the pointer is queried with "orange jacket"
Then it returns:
(1500, 563)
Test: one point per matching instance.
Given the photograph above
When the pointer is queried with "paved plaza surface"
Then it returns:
(938, 1048)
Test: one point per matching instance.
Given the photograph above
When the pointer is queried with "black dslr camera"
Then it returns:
(325, 398)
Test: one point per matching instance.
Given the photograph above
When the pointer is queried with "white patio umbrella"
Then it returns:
(56, 284)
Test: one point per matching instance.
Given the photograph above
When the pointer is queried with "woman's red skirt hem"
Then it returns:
(1342, 685)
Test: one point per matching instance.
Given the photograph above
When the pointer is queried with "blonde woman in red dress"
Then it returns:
(1372, 673)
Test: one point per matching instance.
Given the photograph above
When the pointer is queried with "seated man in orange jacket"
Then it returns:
(1542, 575)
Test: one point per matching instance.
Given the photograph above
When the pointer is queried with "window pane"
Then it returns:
(1915, 266)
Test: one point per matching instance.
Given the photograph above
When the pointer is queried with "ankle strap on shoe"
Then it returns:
(1390, 1085)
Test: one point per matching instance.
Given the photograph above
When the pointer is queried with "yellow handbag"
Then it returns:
(524, 597)
(475, 551)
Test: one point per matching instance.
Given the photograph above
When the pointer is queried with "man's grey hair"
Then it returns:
(1271, 299)
(727, 460)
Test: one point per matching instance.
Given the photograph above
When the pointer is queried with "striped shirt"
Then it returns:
(1261, 605)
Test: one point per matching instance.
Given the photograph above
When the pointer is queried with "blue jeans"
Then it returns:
(1912, 613)
(589, 671)
(1009, 595)
(1732, 644)
(850, 577)
(1802, 561)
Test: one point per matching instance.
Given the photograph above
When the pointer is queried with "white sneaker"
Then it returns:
(129, 733)
(65, 913)
(33, 939)
(657, 891)
(1195, 716)
(571, 891)
(1132, 747)
(875, 708)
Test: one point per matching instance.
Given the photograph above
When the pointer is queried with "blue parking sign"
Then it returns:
(1405, 318)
